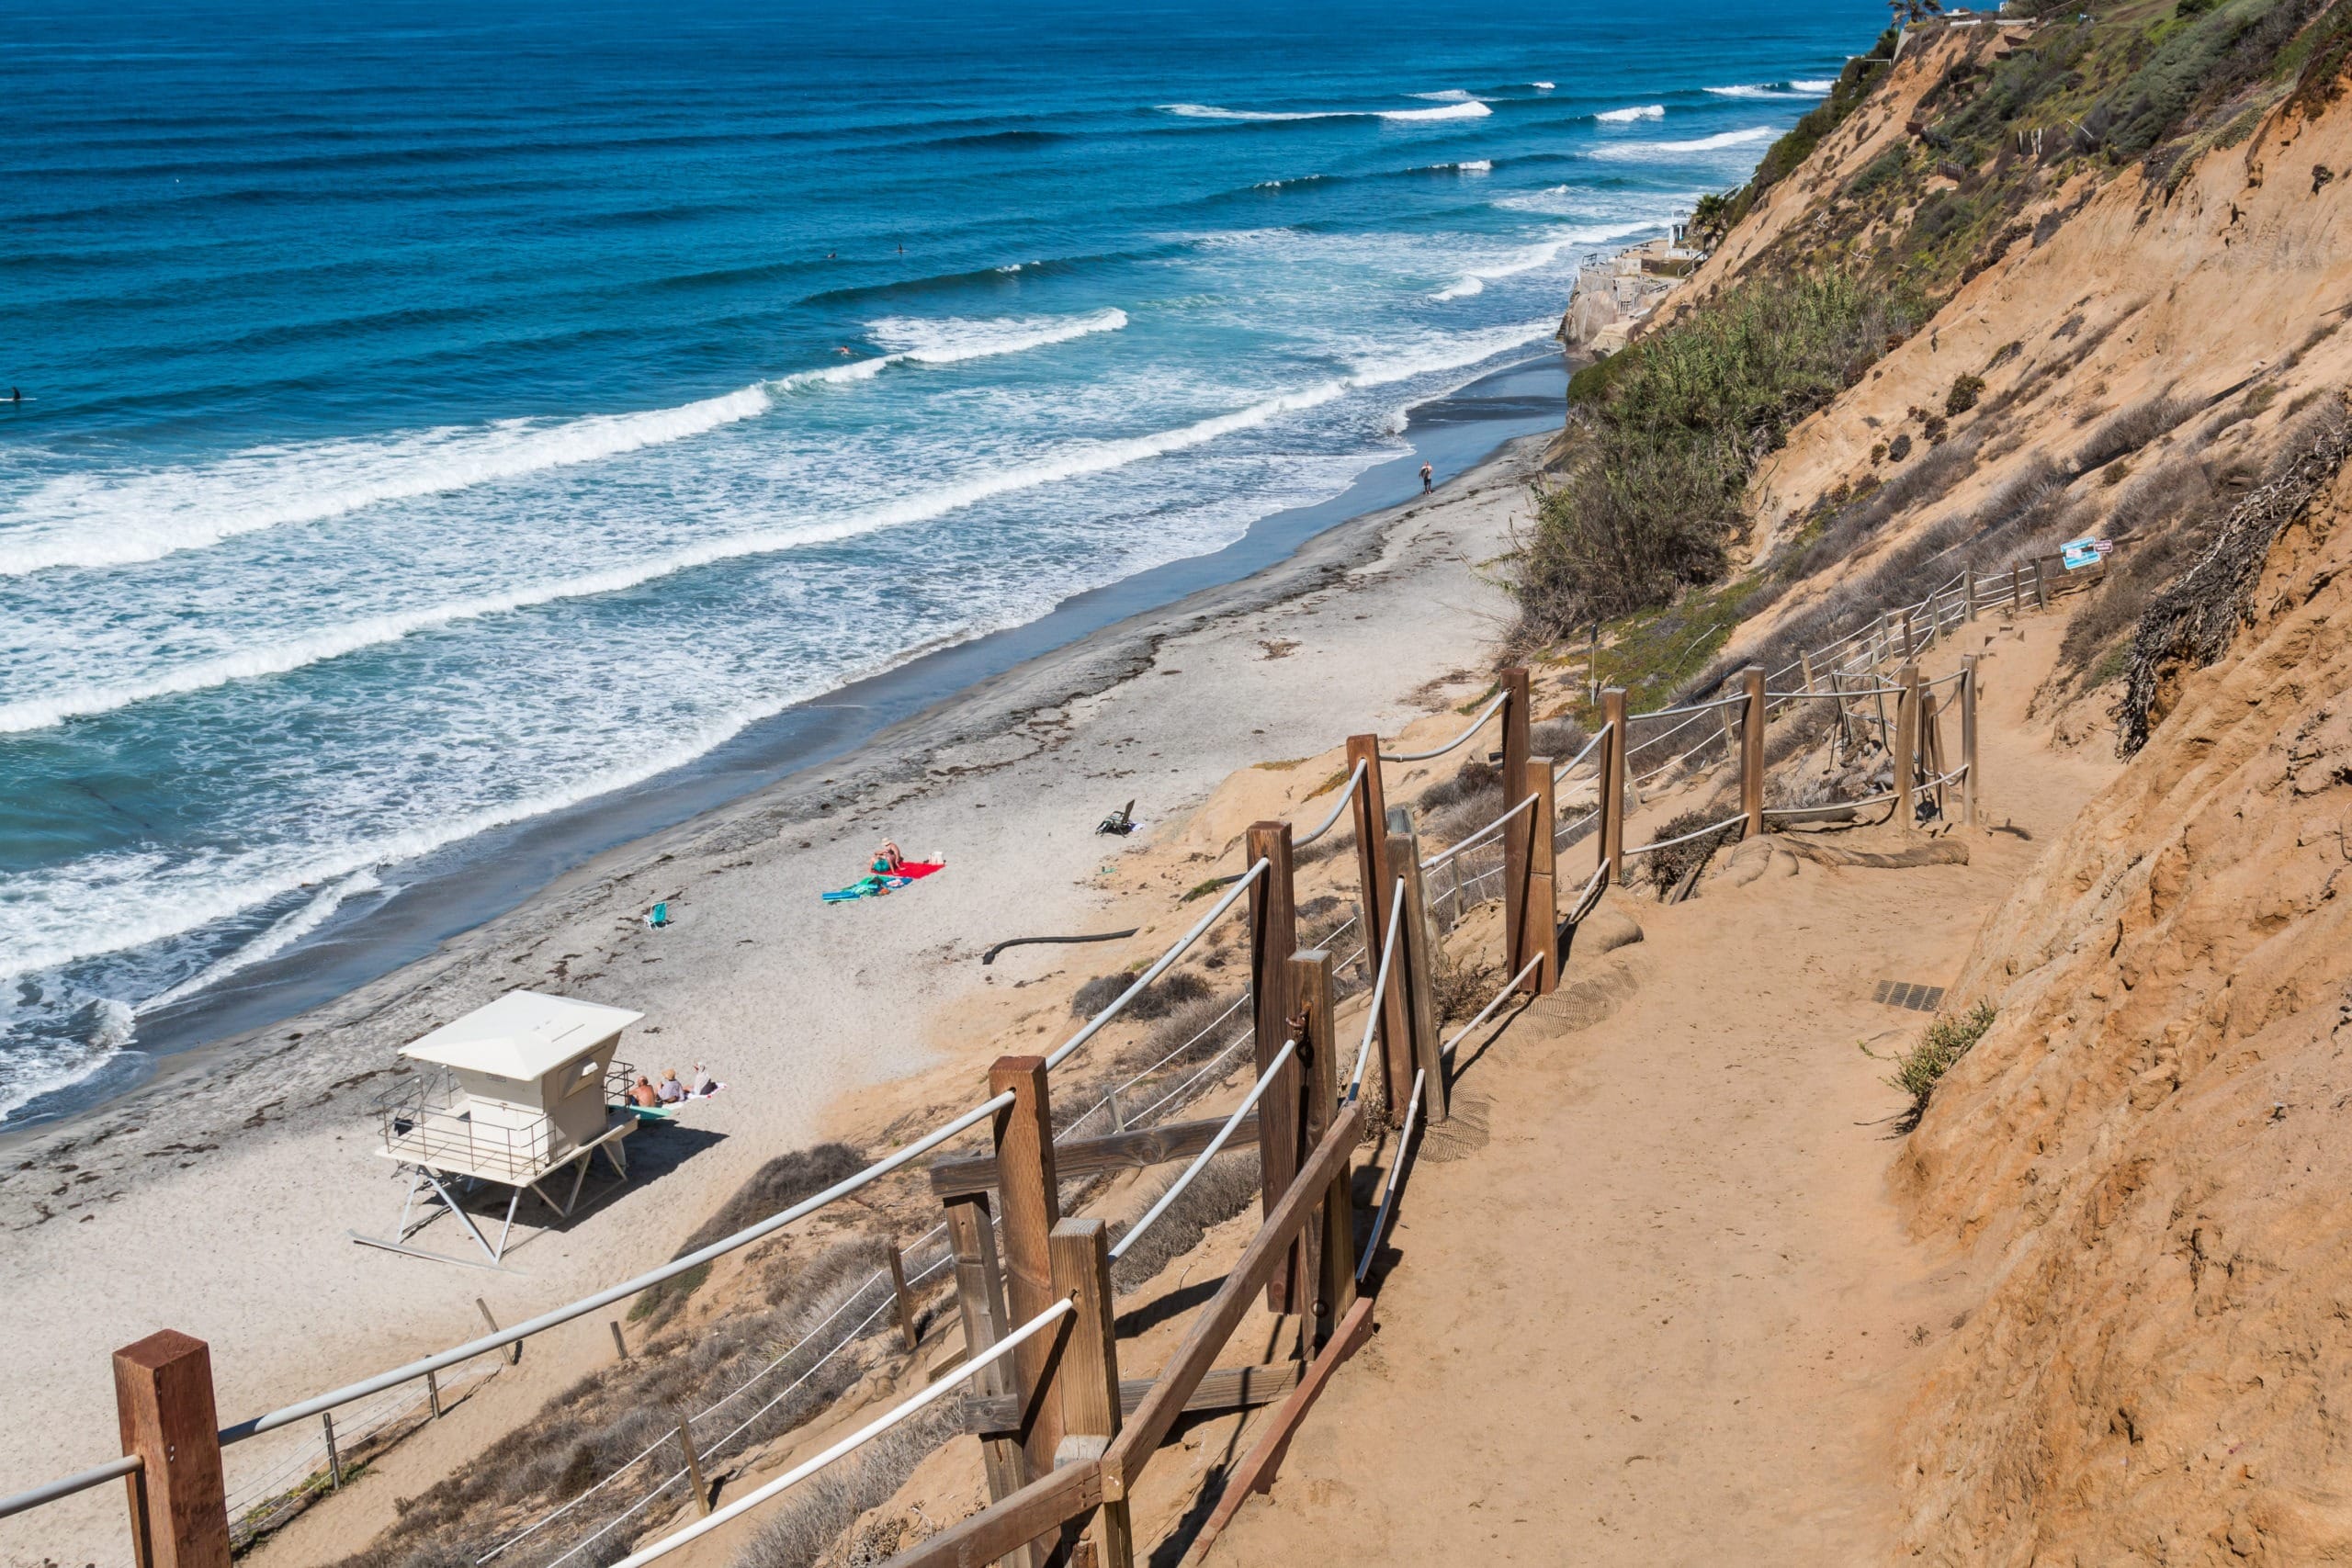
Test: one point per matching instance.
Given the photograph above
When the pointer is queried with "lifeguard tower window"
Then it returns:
(507, 1102)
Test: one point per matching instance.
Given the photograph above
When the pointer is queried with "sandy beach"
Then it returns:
(231, 1178)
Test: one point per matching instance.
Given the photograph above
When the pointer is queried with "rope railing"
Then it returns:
(1094, 1025)
(1395, 1167)
(1561, 834)
(1481, 835)
(1199, 1162)
(1686, 837)
(304, 1409)
(1476, 725)
(1379, 990)
(1598, 736)
(955, 1380)
(1707, 707)
(1355, 780)
(1594, 886)
(1663, 735)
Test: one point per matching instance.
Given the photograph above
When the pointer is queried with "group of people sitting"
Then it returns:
(672, 1090)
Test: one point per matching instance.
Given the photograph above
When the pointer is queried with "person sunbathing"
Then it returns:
(642, 1092)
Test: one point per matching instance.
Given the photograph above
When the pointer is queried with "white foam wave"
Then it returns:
(1815, 84)
(1639, 111)
(1541, 254)
(1471, 110)
(1804, 87)
(1623, 150)
(92, 522)
(109, 1033)
(275, 938)
(1541, 87)
(1462, 287)
(353, 636)
(1450, 95)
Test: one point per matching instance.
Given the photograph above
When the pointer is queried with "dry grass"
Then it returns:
(1666, 867)
(605, 1419)
(805, 1527)
(2133, 428)
(1162, 997)
(1227, 1185)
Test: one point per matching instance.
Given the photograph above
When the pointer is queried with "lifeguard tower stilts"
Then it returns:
(514, 1093)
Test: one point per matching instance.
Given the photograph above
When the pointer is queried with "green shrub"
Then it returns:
(1965, 390)
(1664, 437)
(1919, 1069)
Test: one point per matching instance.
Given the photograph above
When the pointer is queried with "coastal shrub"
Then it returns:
(1466, 814)
(1558, 739)
(1666, 867)
(1460, 984)
(1227, 1185)
(1157, 999)
(1649, 496)
(2205, 60)
(1965, 390)
(1948, 1039)
(2133, 428)
(783, 1182)
(806, 1524)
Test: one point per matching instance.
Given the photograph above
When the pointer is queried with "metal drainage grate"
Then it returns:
(1903, 994)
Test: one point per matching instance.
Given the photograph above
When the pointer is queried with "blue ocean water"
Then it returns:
(440, 414)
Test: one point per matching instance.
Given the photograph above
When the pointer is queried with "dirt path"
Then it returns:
(1653, 1302)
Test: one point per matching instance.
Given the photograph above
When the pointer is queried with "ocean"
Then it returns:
(437, 416)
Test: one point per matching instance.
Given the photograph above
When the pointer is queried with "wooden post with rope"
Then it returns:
(1516, 836)
(1332, 1249)
(1931, 745)
(1024, 1164)
(1417, 969)
(903, 1298)
(1611, 836)
(1274, 937)
(1906, 747)
(1751, 750)
(1968, 739)
(164, 1405)
(693, 1465)
(1086, 1375)
(1968, 593)
(2042, 582)
(1540, 933)
(1375, 884)
(980, 1302)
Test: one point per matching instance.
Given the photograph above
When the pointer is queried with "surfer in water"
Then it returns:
(1426, 476)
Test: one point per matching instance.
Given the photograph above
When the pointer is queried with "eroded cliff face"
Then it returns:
(2149, 1151)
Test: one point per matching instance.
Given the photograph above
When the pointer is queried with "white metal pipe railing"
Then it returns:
(1355, 780)
(1199, 1161)
(1379, 987)
(1093, 1025)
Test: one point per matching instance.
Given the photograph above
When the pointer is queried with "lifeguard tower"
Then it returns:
(513, 1094)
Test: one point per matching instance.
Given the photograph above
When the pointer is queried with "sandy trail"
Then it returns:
(1653, 1302)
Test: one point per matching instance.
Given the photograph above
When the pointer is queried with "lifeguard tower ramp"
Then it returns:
(515, 1094)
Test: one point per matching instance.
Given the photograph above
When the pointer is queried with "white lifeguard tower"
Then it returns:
(514, 1093)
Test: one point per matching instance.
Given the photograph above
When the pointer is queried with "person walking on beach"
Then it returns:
(1425, 479)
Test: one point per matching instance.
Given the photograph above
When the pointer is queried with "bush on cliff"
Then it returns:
(1662, 451)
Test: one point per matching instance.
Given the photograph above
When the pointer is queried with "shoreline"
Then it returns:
(235, 1173)
(933, 699)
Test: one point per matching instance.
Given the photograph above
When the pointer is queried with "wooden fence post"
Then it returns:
(2042, 582)
(1274, 937)
(1751, 750)
(1024, 1166)
(1968, 739)
(179, 1507)
(1906, 747)
(1931, 745)
(980, 1302)
(1910, 643)
(2017, 591)
(1088, 1373)
(1968, 593)
(1805, 668)
(1374, 879)
(334, 1458)
(620, 1346)
(693, 1466)
(1420, 969)
(1612, 785)
(1332, 1249)
(1515, 835)
(1541, 930)
(899, 1292)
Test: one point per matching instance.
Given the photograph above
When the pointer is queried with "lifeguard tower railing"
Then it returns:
(430, 1121)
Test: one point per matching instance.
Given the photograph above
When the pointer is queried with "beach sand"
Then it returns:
(216, 1199)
